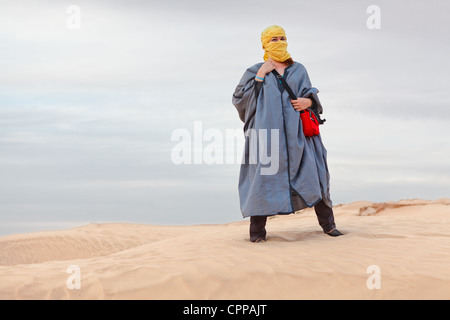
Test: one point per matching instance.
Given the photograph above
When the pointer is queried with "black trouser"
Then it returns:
(324, 215)
(258, 227)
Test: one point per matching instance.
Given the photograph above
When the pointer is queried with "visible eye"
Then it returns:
(276, 39)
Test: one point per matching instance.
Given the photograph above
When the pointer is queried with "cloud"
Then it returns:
(86, 115)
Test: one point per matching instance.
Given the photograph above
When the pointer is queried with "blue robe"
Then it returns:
(302, 177)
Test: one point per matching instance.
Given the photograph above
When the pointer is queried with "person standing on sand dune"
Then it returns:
(263, 104)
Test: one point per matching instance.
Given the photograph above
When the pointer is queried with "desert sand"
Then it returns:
(407, 241)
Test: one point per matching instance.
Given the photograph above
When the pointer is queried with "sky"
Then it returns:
(87, 114)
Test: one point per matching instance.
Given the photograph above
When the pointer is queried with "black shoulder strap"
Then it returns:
(285, 85)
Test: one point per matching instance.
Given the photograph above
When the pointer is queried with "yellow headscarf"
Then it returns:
(275, 50)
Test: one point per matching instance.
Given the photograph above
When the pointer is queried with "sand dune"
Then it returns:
(408, 241)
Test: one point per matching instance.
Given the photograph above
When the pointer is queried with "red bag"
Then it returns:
(310, 123)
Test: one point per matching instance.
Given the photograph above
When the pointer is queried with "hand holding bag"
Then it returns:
(310, 119)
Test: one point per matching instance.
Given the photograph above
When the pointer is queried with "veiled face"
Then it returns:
(276, 39)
